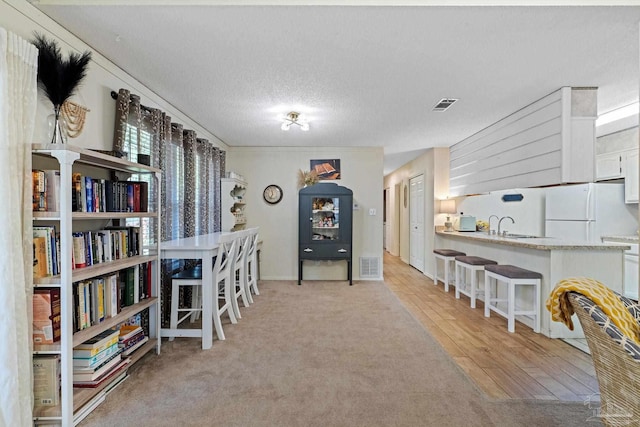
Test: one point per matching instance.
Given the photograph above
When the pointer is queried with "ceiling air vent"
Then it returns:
(444, 104)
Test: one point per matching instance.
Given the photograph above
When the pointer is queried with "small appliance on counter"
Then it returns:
(467, 223)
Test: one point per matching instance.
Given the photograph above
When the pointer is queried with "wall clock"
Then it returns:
(272, 194)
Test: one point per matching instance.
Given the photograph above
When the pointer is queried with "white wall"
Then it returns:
(528, 214)
(94, 93)
(434, 165)
(361, 171)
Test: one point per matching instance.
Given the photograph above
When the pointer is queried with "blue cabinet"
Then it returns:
(325, 225)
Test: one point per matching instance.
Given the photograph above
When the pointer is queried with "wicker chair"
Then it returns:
(617, 371)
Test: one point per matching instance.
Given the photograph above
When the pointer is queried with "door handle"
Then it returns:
(308, 250)
(342, 250)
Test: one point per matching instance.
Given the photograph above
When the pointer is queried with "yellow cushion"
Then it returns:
(561, 310)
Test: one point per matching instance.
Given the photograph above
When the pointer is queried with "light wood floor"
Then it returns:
(522, 365)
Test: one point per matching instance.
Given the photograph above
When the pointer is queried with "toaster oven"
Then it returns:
(467, 223)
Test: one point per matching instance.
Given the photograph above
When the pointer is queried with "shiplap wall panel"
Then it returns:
(527, 148)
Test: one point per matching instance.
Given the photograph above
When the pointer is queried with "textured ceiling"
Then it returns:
(362, 75)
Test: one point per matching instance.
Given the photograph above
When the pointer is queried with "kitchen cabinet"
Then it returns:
(631, 176)
(609, 166)
(325, 225)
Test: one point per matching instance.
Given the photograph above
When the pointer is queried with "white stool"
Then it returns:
(191, 277)
(511, 276)
(222, 293)
(474, 265)
(448, 257)
(251, 265)
(238, 273)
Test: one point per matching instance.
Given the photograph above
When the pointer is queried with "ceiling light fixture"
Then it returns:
(294, 118)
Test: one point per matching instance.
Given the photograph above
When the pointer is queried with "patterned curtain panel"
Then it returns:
(191, 181)
(190, 184)
(219, 159)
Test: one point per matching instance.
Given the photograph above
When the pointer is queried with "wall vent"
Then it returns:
(369, 267)
(444, 104)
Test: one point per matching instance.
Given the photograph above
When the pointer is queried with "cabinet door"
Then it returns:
(631, 177)
(325, 218)
(609, 166)
(630, 276)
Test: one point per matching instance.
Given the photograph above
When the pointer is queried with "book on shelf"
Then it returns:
(39, 257)
(112, 295)
(96, 344)
(131, 341)
(39, 190)
(91, 374)
(52, 183)
(128, 331)
(79, 251)
(97, 300)
(128, 351)
(118, 370)
(97, 359)
(46, 380)
(77, 198)
(51, 244)
(46, 315)
(128, 286)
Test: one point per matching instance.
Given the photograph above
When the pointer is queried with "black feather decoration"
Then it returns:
(59, 78)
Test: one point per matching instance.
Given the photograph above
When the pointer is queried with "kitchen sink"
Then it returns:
(521, 236)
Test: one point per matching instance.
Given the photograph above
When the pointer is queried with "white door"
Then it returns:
(416, 221)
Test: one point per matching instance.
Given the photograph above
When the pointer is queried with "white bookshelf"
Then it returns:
(77, 403)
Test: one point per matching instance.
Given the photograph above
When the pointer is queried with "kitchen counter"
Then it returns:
(540, 243)
(622, 239)
(555, 259)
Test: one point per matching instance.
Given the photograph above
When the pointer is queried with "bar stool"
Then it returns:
(511, 276)
(238, 273)
(251, 265)
(448, 257)
(474, 265)
(222, 283)
(191, 277)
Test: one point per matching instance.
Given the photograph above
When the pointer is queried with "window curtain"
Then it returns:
(191, 171)
(18, 100)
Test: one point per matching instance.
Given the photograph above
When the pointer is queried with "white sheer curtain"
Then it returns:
(18, 96)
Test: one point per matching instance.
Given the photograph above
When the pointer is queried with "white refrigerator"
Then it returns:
(585, 212)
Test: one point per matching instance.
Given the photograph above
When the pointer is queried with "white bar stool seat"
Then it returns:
(473, 265)
(512, 277)
(191, 277)
(448, 257)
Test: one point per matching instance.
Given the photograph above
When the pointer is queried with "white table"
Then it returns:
(205, 248)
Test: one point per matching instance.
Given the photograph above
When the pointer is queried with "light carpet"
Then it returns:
(320, 354)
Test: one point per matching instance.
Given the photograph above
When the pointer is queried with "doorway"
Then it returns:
(416, 222)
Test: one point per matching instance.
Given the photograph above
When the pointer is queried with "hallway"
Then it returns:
(523, 365)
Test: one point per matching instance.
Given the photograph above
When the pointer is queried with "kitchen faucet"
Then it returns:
(500, 222)
(491, 216)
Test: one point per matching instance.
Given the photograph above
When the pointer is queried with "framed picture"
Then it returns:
(326, 168)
